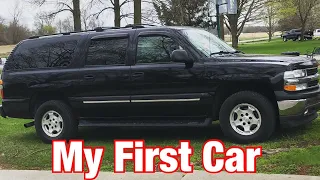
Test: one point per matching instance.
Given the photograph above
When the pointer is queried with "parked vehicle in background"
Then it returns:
(155, 77)
(316, 33)
(295, 34)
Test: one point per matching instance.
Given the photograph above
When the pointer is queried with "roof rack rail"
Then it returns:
(100, 29)
(135, 26)
(97, 29)
(63, 33)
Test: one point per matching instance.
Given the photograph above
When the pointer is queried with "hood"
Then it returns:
(295, 61)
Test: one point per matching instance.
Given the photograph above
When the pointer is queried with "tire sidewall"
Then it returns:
(266, 112)
(299, 38)
(66, 118)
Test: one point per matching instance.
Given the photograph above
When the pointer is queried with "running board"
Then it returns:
(166, 123)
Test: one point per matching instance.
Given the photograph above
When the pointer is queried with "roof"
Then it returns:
(105, 29)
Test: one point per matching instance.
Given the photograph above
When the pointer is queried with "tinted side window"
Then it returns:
(155, 49)
(107, 52)
(57, 54)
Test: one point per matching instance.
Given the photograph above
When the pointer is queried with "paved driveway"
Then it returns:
(197, 175)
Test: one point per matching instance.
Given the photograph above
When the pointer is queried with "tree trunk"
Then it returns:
(235, 40)
(76, 15)
(137, 11)
(270, 35)
(233, 21)
(117, 19)
(303, 29)
(270, 28)
(222, 27)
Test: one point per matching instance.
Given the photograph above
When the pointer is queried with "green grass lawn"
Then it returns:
(278, 46)
(20, 148)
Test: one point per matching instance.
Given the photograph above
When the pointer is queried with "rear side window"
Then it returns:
(107, 52)
(48, 55)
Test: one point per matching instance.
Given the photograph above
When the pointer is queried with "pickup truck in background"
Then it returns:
(295, 34)
(316, 33)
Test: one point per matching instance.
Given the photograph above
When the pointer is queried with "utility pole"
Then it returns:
(220, 20)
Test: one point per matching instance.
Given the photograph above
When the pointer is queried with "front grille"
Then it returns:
(312, 71)
(314, 82)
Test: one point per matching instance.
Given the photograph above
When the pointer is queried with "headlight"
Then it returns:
(295, 74)
(292, 80)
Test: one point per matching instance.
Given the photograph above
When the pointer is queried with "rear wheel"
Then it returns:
(247, 117)
(299, 38)
(54, 120)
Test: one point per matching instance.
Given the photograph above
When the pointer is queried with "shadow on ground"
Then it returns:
(164, 134)
(169, 133)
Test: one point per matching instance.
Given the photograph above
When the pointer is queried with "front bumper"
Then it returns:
(298, 112)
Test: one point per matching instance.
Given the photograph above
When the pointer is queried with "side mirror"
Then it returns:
(181, 55)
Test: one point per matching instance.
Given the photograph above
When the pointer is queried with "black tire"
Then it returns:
(285, 39)
(70, 125)
(264, 106)
(299, 38)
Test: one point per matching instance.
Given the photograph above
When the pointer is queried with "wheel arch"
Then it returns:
(227, 89)
(38, 99)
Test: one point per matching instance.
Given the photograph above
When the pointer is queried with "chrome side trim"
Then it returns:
(292, 107)
(165, 100)
(106, 102)
(142, 101)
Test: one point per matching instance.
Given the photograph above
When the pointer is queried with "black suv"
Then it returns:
(155, 76)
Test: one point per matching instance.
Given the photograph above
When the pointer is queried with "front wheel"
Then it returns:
(247, 117)
(284, 39)
(54, 120)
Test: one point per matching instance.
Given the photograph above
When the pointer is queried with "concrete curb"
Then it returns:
(197, 175)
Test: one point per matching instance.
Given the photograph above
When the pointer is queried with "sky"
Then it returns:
(29, 12)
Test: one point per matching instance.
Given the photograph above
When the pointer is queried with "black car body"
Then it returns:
(154, 76)
(295, 34)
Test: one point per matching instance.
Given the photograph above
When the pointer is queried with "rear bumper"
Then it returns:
(298, 112)
(15, 108)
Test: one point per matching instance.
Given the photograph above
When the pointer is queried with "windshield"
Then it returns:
(206, 42)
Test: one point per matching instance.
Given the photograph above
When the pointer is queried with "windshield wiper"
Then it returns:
(221, 52)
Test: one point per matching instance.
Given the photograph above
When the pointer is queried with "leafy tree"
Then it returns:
(271, 9)
(182, 13)
(301, 9)
(43, 24)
